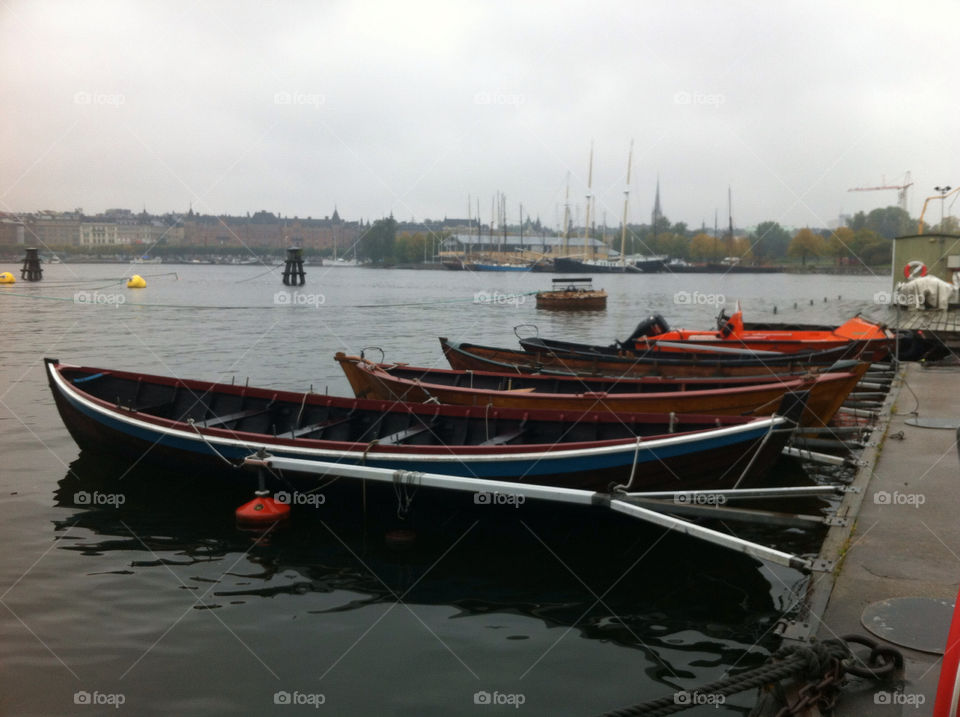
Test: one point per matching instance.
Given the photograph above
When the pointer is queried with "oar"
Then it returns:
(537, 492)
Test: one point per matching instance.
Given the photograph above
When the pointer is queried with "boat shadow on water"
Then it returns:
(607, 576)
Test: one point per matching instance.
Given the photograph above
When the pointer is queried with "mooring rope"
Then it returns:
(820, 664)
(212, 447)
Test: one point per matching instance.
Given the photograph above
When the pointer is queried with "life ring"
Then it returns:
(913, 269)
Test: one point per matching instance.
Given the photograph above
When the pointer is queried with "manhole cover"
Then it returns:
(916, 622)
(919, 422)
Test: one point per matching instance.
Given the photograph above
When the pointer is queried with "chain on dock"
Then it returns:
(820, 667)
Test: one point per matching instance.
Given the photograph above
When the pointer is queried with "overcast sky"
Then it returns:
(409, 107)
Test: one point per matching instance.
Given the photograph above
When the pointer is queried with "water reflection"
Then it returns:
(610, 578)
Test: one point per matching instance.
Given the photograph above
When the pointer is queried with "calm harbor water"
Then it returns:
(157, 601)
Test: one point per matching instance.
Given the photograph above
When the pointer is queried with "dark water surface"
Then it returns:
(163, 604)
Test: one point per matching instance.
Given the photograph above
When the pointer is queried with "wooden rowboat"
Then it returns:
(200, 426)
(399, 382)
(476, 357)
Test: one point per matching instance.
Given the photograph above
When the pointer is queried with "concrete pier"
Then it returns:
(906, 538)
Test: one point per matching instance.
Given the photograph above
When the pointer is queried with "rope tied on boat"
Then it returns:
(757, 452)
(621, 488)
(820, 666)
(402, 481)
(212, 447)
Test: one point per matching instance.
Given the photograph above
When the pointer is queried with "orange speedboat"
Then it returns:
(870, 341)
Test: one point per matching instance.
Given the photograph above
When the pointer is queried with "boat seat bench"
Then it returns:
(314, 427)
(504, 438)
(401, 436)
(152, 409)
(216, 421)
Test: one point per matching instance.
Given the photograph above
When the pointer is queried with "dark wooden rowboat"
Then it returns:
(732, 396)
(476, 357)
(197, 426)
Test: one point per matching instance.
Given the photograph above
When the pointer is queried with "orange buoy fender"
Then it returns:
(262, 511)
(948, 688)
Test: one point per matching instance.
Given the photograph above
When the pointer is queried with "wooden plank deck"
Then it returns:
(944, 325)
(936, 320)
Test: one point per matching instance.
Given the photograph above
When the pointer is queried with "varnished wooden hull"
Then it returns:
(827, 391)
(486, 358)
(572, 300)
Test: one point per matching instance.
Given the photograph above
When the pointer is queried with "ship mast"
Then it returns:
(521, 229)
(566, 219)
(729, 247)
(626, 199)
(586, 223)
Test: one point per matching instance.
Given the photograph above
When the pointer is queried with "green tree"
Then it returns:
(662, 226)
(870, 248)
(676, 246)
(769, 241)
(806, 243)
(888, 222)
(862, 246)
(742, 249)
(949, 225)
(704, 247)
(378, 243)
(838, 244)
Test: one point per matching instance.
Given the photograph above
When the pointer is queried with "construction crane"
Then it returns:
(901, 190)
(942, 196)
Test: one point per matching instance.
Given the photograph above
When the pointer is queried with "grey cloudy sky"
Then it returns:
(410, 107)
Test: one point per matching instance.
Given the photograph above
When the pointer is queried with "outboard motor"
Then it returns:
(722, 319)
(651, 326)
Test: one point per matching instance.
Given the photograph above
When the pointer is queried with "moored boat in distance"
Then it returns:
(634, 264)
(572, 294)
(498, 266)
(572, 265)
(202, 426)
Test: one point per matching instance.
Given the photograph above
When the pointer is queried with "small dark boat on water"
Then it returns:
(730, 396)
(570, 265)
(630, 265)
(721, 268)
(605, 361)
(201, 426)
(572, 294)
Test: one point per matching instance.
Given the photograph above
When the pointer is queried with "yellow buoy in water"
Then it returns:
(7, 278)
(136, 282)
